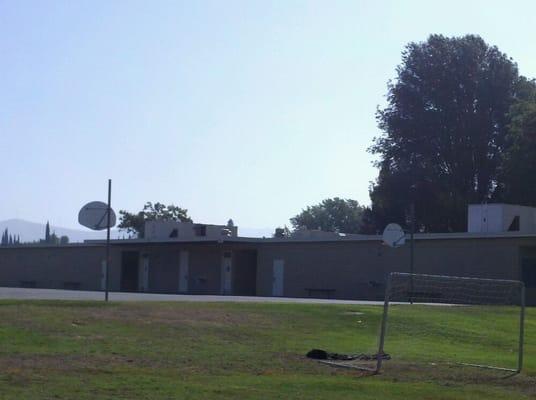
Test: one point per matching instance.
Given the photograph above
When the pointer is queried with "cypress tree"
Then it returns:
(47, 233)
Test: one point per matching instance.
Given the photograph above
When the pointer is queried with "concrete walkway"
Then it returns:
(55, 294)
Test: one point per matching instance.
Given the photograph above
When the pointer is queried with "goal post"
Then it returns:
(483, 295)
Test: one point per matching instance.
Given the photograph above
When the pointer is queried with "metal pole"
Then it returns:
(108, 214)
(379, 356)
(521, 329)
(412, 251)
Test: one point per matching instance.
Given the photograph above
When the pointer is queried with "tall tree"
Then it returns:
(517, 176)
(332, 215)
(47, 233)
(134, 223)
(444, 130)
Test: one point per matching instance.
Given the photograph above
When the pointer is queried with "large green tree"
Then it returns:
(134, 223)
(444, 131)
(332, 215)
(517, 175)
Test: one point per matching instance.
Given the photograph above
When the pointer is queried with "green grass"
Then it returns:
(90, 350)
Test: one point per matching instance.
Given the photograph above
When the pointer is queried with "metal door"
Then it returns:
(278, 277)
(183, 271)
(227, 264)
(144, 287)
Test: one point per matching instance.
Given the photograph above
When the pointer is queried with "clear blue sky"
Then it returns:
(248, 110)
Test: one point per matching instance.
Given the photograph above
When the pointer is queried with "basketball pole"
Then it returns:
(108, 214)
(412, 249)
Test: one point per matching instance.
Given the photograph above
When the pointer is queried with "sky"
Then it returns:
(250, 110)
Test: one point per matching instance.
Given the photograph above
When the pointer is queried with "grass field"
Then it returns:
(90, 350)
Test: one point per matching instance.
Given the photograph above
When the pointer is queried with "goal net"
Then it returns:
(479, 322)
(436, 320)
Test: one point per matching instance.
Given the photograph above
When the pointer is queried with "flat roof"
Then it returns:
(255, 240)
(342, 238)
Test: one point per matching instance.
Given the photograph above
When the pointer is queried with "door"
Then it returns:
(183, 271)
(226, 267)
(144, 284)
(277, 279)
(129, 271)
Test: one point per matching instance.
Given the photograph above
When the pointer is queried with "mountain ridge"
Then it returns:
(34, 231)
(30, 231)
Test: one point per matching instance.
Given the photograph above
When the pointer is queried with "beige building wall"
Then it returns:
(347, 269)
(69, 267)
(358, 270)
(352, 269)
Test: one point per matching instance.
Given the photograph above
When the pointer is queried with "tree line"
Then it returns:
(8, 239)
(335, 215)
(458, 127)
(52, 238)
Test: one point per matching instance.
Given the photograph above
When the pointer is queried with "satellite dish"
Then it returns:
(394, 236)
(94, 216)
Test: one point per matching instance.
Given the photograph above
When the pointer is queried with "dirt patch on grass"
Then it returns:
(61, 362)
(452, 375)
(178, 315)
(44, 319)
(24, 370)
(447, 375)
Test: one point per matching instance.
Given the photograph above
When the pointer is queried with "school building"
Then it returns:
(212, 259)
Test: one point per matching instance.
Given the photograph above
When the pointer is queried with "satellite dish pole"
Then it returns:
(108, 215)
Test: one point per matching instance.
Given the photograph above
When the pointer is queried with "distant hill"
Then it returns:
(34, 231)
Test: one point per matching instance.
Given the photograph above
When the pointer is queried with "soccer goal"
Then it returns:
(469, 315)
